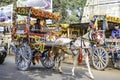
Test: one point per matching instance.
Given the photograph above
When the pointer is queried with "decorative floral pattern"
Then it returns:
(37, 13)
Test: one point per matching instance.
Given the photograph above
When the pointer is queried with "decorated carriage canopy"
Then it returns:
(36, 13)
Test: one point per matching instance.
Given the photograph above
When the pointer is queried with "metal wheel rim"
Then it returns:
(1, 58)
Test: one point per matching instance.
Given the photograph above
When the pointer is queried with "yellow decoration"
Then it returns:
(42, 45)
(36, 13)
(37, 38)
(17, 36)
(113, 19)
(36, 46)
(58, 33)
(64, 25)
(51, 37)
(96, 24)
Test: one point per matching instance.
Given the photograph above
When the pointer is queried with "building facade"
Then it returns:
(100, 7)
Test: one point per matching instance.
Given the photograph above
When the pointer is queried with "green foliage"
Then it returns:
(6, 2)
(61, 6)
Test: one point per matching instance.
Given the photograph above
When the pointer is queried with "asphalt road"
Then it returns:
(8, 71)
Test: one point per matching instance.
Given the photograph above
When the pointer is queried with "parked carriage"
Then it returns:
(4, 41)
(109, 53)
(3, 51)
(29, 46)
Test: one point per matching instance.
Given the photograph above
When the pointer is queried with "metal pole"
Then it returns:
(14, 17)
(28, 20)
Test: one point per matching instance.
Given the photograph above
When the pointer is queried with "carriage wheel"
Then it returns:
(1, 60)
(2, 57)
(23, 57)
(100, 58)
(47, 59)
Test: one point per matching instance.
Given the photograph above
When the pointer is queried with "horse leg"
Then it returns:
(55, 63)
(88, 65)
(55, 52)
(58, 58)
(74, 64)
(59, 66)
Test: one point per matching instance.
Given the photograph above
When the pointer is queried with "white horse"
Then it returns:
(75, 48)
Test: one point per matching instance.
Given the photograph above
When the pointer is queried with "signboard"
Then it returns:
(109, 18)
(41, 4)
(113, 19)
(23, 10)
(6, 14)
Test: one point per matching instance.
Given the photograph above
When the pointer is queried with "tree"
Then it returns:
(61, 7)
(6, 2)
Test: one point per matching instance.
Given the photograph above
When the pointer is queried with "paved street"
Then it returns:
(8, 71)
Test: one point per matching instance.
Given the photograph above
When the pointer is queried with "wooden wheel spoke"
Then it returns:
(23, 57)
(98, 64)
(103, 62)
(100, 58)
(95, 57)
(95, 53)
(47, 61)
(103, 54)
(101, 65)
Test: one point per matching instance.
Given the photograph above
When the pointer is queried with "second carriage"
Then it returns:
(30, 47)
(109, 53)
(101, 55)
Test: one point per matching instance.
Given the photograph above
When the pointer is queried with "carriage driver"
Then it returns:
(36, 27)
(116, 32)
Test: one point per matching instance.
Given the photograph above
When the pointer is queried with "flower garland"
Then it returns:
(37, 13)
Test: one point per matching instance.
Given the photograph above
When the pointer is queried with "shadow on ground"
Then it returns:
(45, 74)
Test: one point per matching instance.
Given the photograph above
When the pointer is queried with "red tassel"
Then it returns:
(80, 57)
(49, 54)
(37, 57)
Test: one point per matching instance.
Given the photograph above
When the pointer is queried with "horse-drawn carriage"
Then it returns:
(3, 51)
(109, 53)
(4, 42)
(29, 46)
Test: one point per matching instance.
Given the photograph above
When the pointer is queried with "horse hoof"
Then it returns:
(54, 68)
(73, 74)
(92, 78)
(60, 72)
(34, 63)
